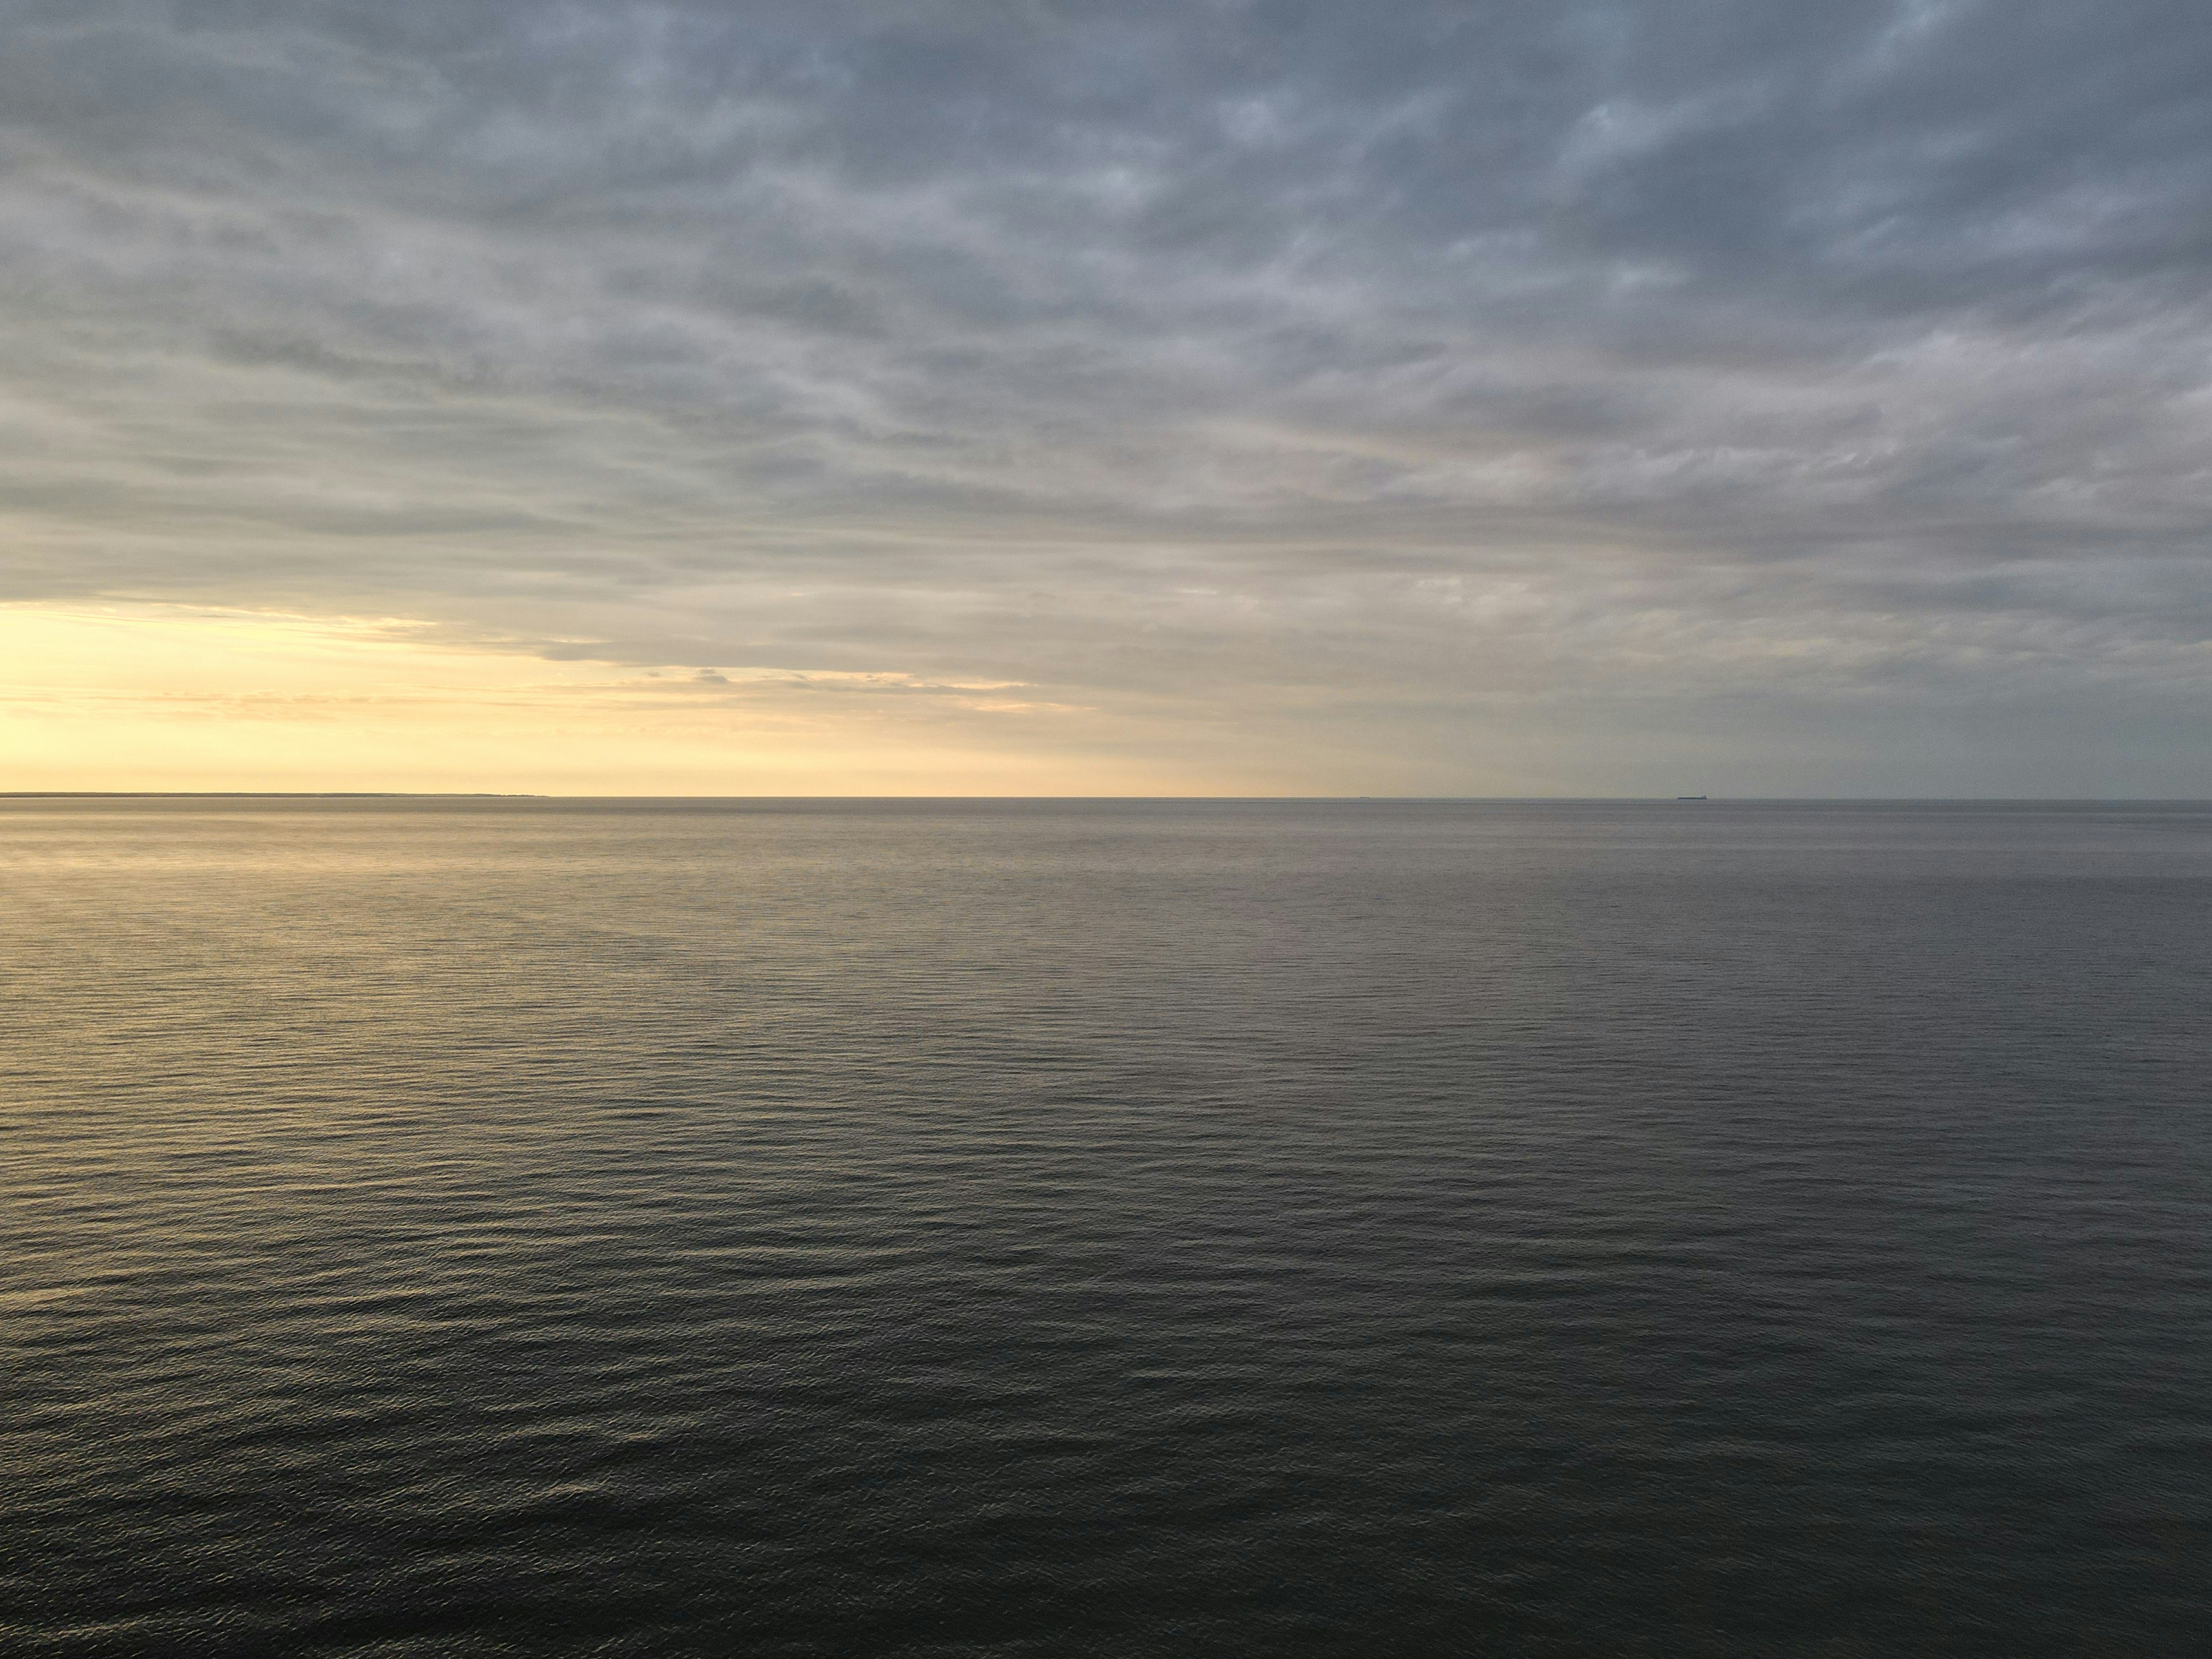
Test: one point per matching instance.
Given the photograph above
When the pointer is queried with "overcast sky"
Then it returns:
(1761, 397)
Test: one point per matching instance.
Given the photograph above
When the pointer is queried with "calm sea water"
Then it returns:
(1074, 1228)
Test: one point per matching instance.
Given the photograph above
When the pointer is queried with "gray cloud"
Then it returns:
(1813, 395)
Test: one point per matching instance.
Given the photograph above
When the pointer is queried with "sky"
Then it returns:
(1745, 396)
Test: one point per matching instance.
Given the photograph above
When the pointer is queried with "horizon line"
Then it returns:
(1668, 800)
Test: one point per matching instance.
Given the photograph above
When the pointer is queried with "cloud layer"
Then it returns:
(1547, 396)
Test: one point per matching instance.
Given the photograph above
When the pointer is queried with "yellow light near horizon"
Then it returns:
(167, 698)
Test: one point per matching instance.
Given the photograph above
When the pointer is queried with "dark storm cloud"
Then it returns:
(1381, 374)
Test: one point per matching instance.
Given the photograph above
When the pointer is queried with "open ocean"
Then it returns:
(458, 1227)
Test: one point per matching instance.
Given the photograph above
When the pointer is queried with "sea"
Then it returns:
(480, 1226)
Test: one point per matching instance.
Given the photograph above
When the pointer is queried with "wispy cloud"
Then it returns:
(1543, 396)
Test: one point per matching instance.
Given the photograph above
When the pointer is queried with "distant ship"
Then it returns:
(1689, 798)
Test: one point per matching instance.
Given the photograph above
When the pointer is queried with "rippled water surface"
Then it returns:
(1070, 1228)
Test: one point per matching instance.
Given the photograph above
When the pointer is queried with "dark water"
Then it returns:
(1354, 1228)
